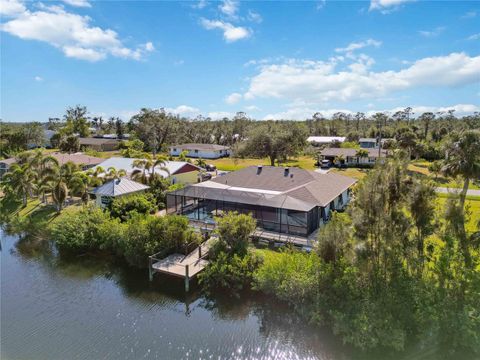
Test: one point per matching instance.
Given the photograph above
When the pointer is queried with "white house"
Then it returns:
(115, 188)
(325, 140)
(178, 171)
(204, 151)
(349, 157)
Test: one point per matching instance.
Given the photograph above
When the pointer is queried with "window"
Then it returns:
(196, 151)
(174, 150)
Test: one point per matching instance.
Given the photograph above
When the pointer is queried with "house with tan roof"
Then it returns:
(81, 159)
(282, 200)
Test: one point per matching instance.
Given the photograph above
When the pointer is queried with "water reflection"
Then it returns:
(87, 307)
(96, 308)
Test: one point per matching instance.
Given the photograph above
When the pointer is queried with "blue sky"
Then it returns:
(269, 59)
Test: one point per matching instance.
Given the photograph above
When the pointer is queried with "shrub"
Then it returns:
(85, 230)
(146, 235)
(235, 229)
(234, 273)
(122, 207)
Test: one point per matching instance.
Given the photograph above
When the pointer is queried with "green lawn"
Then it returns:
(232, 164)
(420, 167)
(472, 203)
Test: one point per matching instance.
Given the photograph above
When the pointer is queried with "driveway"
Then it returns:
(323, 171)
(445, 190)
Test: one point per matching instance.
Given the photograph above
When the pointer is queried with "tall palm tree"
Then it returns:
(463, 159)
(146, 172)
(80, 184)
(18, 181)
(59, 194)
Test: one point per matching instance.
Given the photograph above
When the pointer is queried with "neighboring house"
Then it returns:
(349, 156)
(116, 188)
(85, 161)
(204, 151)
(5, 165)
(325, 140)
(283, 200)
(178, 171)
(99, 144)
(370, 143)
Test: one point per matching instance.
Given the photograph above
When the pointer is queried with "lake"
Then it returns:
(87, 308)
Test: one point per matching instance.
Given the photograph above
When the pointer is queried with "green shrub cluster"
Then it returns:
(124, 207)
(141, 235)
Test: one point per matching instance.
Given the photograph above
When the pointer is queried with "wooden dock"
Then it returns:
(185, 266)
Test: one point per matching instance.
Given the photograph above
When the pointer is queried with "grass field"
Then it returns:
(472, 205)
(420, 167)
(232, 164)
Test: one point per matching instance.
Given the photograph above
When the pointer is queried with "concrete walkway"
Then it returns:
(445, 190)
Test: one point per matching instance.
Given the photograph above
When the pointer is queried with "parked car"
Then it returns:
(205, 176)
(210, 167)
(326, 164)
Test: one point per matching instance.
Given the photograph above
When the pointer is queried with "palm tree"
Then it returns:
(112, 173)
(59, 194)
(463, 159)
(95, 175)
(361, 153)
(18, 181)
(146, 169)
(80, 184)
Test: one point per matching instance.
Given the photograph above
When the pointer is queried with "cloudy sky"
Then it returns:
(270, 59)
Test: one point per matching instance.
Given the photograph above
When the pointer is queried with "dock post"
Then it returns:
(200, 251)
(187, 279)
(150, 274)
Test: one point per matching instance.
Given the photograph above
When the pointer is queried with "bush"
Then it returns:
(235, 229)
(147, 235)
(123, 206)
(234, 273)
(86, 230)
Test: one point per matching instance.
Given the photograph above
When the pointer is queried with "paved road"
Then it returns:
(451, 190)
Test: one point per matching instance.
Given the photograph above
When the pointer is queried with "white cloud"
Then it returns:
(321, 4)
(252, 108)
(229, 7)
(432, 33)
(218, 115)
(231, 33)
(38, 78)
(233, 98)
(11, 7)
(386, 6)
(254, 16)
(474, 37)
(200, 4)
(72, 33)
(77, 3)
(179, 62)
(469, 15)
(358, 45)
(184, 110)
(319, 82)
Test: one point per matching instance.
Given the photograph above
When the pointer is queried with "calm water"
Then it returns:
(89, 309)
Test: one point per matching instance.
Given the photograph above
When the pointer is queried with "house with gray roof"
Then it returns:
(115, 188)
(204, 151)
(282, 200)
(99, 144)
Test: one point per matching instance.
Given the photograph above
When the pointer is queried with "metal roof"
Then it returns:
(117, 187)
(121, 163)
(325, 139)
(205, 147)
